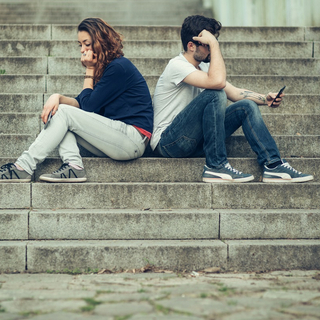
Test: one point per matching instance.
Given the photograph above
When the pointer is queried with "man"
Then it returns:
(191, 117)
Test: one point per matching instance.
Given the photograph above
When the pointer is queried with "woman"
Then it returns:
(112, 116)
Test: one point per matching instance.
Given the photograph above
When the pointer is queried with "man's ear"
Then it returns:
(191, 46)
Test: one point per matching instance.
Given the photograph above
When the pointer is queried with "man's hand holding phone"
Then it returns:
(275, 102)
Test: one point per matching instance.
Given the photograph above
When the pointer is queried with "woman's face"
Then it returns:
(85, 41)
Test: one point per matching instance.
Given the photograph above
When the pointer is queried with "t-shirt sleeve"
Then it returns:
(179, 69)
(109, 87)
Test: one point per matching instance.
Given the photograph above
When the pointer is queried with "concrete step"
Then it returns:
(143, 196)
(172, 224)
(69, 32)
(19, 123)
(155, 66)
(188, 255)
(33, 103)
(148, 169)
(161, 48)
(127, 12)
(12, 145)
(278, 124)
(21, 102)
(158, 169)
(73, 83)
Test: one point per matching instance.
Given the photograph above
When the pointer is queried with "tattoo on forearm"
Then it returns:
(250, 94)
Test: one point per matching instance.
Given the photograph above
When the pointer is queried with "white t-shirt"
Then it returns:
(172, 95)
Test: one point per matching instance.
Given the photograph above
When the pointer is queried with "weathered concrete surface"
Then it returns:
(269, 224)
(15, 195)
(123, 224)
(260, 255)
(12, 256)
(283, 295)
(172, 254)
(266, 196)
(14, 224)
(119, 195)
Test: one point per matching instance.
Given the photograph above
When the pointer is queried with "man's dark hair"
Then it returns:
(193, 25)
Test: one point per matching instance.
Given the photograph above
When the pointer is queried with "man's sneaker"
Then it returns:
(284, 173)
(225, 174)
(10, 173)
(65, 173)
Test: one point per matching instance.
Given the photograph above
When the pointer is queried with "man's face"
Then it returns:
(202, 53)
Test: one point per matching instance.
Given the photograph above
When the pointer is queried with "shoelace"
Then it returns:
(228, 166)
(62, 168)
(6, 167)
(287, 165)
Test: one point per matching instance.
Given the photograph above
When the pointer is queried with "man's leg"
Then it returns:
(199, 126)
(246, 113)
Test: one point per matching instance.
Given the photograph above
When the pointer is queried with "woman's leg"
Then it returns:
(113, 138)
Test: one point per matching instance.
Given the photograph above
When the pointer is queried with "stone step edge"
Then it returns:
(230, 255)
(156, 224)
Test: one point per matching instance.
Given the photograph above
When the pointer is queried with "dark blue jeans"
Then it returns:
(203, 126)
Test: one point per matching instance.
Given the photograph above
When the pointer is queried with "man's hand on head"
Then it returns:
(206, 37)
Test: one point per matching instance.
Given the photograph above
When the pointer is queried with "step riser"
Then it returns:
(164, 170)
(159, 224)
(71, 84)
(69, 32)
(238, 256)
(152, 66)
(21, 102)
(237, 146)
(160, 195)
(33, 103)
(161, 49)
(26, 123)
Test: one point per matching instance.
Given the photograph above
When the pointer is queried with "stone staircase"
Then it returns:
(129, 12)
(156, 210)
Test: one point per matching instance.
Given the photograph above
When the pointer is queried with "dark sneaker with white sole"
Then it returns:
(224, 174)
(65, 173)
(284, 173)
(10, 173)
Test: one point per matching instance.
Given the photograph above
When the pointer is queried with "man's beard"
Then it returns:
(205, 60)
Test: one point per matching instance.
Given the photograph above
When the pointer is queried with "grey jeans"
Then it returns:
(101, 136)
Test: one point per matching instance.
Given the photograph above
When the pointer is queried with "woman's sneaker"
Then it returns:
(225, 174)
(65, 173)
(10, 173)
(284, 173)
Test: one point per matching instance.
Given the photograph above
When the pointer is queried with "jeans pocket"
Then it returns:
(182, 147)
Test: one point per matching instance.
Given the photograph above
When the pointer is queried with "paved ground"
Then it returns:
(156, 296)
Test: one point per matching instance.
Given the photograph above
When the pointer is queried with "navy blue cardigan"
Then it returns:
(121, 94)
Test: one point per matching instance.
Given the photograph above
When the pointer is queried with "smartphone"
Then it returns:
(278, 95)
(48, 120)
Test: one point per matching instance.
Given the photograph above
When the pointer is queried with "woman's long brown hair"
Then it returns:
(106, 43)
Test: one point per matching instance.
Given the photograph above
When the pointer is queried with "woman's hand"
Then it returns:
(271, 96)
(51, 104)
(89, 59)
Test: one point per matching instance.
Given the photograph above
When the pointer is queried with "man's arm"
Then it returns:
(236, 94)
(215, 78)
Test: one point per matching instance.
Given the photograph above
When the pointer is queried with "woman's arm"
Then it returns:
(53, 102)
